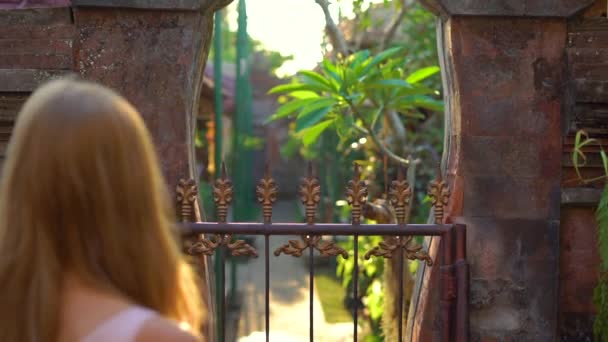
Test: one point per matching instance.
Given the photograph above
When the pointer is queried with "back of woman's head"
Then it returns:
(81, 192)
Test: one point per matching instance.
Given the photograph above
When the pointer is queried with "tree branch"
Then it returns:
(335, 35)
(391, 29)
(370, 131)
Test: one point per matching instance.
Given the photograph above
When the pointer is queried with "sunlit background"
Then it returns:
(292, 27)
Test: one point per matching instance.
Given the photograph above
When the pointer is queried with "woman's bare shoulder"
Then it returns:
(161, 330)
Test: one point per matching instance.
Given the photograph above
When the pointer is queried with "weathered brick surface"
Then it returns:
(19, 4)
(26, 80)
(152, 58)
(579, 259)
(504, 171)
(579, 264)
(35, 45)
(519, 8)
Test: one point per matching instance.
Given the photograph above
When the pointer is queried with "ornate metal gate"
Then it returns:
(204, 238)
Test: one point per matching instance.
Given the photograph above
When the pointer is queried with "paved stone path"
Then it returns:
(289, 296)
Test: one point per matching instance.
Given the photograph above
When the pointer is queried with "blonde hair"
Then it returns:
(81, 191)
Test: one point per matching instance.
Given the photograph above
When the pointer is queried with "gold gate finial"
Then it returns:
(356, 194)
(266, 192)
(310, 194)
(186, 193)
(440, 196)
(222, 194)
(400, 194)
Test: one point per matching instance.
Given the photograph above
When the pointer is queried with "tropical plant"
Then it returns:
(600, 295)
(352, 96)
(348, 104)
(349, 125)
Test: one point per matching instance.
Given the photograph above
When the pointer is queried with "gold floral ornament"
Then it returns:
(310, 195)
(387, 249)
(440, 196)
(356, 195)
(186, 191)
(400, 194)
(266, 193)
(222, 196)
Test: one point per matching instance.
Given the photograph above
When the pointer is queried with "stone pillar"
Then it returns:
(503, 69)
(153, 52)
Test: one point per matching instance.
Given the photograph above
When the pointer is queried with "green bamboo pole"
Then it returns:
(218, 108)
(243, 208)
(243, 124)
(218, 99)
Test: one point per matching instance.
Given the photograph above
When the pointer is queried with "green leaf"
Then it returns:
(604, 161)
(312, 117)
(600, 300)
(379, 58)
(600, 295)
(421, 101)
(358, 62)
(344, 125)
(252, 143)
(422, 74)
(602, 220)
(375, 297)
(303, 94)
(411, 114)
(292, 87)
(581, 140)
(391, 83)
(314, 79)
(332, 71)
(290, 148)
(311, 134)
(289, 108)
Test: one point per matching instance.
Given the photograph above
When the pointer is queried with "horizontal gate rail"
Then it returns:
(335, 229)
(204, 238)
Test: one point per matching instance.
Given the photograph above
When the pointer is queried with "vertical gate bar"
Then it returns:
(447, 285)
(223, 294)
(267, 287)
(356, 289)
(462, 285)
(400, 255)
(217, 265)
(311, 285)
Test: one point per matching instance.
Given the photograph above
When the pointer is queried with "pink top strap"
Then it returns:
(122, 327)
